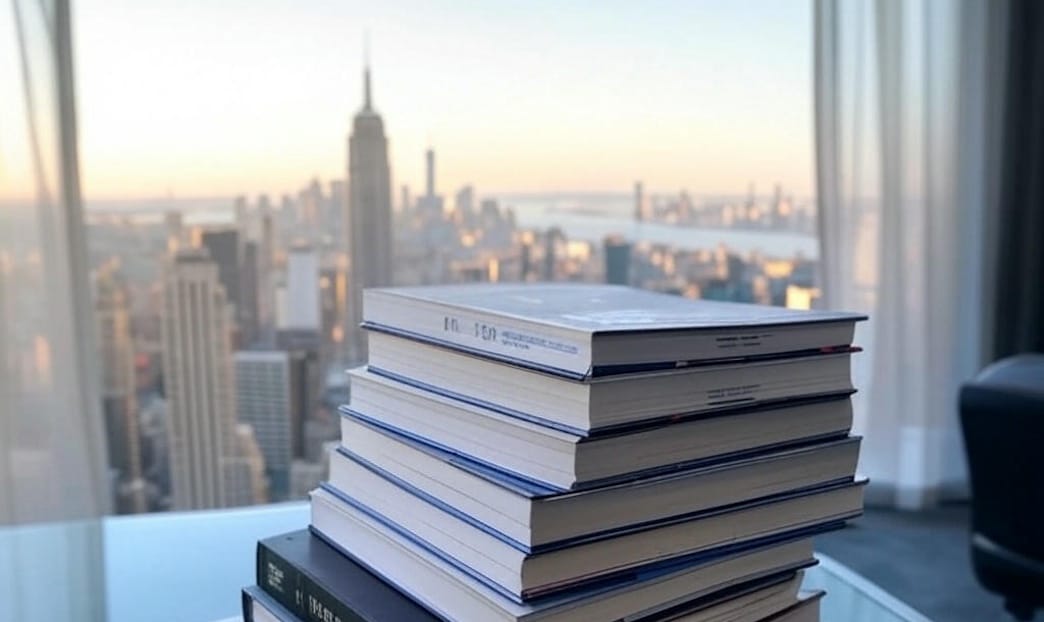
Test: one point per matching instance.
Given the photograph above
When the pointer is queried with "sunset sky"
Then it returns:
(207, 98)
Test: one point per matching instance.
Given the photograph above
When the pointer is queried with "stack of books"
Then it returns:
(576, 452)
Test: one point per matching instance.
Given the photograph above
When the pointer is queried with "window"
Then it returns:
(266, 152)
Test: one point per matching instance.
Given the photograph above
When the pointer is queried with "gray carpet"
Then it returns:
(922, 558)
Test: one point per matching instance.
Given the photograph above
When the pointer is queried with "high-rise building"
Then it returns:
(240, 213)
(489, 210)
(527, 262)
(750, 207)
(333, 218)
(155, 452)
(249, 293)
(429, 160)
(639, 202)
(430, 205)
(265, 268)
(223, 248)
(306, 476)
(276, 392)
(302, 289)
(617, 261)
(119, 389)
(553, 239)
(197, 369)
(319, 431)
(310, 203)
(369, 216)
(776, 218)
(175, 230)
(465, 203)
(331, 309)
(246, 483)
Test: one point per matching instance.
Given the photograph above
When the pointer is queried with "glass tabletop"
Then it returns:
(186, 567)
(852, 598)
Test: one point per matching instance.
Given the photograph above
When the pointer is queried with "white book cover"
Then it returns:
(589, 330)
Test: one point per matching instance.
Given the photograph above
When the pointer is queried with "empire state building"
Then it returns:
(369, 216)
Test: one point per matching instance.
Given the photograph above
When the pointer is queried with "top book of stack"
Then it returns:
(584, 332)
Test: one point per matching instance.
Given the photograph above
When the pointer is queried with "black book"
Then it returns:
(318, 584)
(260, 607)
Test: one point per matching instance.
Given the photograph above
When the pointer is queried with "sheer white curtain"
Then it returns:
(905, 127)
(53, 486)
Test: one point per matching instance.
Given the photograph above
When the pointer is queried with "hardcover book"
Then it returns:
(317, 583)
(527, 573)
(335, 580)
(260, 607)
(568, 461)
(583, 331)
(535, 515)
(456, 592)
(610, 404)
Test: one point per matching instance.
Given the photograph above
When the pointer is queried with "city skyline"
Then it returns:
(281, 273)
(514, 100)
(232, 324)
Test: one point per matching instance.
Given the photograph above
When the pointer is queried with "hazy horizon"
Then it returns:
(762, 193)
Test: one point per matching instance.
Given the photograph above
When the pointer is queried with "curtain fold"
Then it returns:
(901, 100)
(54, 484)
(1019, 270)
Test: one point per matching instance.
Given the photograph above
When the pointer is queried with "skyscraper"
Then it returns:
(332, 298)
(465, 204)
(527, 267)
(175, 230)
(155, 452)
(617, 261)
(332, 223)
(265, 267)
(246, 483)
(430, 205)
(552, 240)
(776, 207)
(249, 292)
(197, 377)
(369, 215)
(306, 476)
(302, 289)
(310, 205)
(276, 393)
(240, 212)
(119, 390)
(750, 206)
(429, 160)
(223, 248)
(639, 202)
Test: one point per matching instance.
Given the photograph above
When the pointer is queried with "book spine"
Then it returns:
(248, 606)
(294, 589)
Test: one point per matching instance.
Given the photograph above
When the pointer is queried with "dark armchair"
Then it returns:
(1002, 415)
